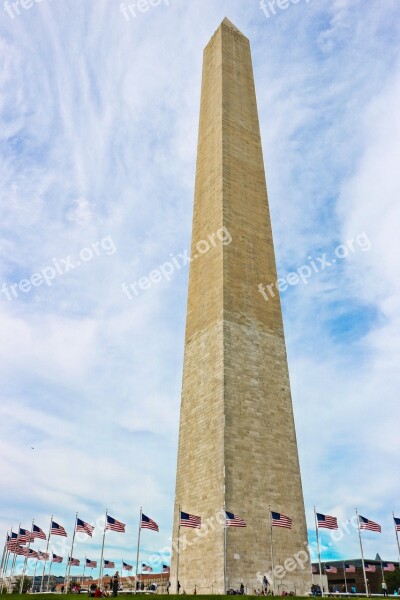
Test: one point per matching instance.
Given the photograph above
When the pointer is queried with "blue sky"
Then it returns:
(98, 134)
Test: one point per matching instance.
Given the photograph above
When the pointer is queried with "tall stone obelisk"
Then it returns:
(237, 441)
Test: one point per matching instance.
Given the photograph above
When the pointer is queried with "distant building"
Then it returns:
(337, 581)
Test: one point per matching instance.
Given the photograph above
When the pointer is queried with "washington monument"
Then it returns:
(237, 441)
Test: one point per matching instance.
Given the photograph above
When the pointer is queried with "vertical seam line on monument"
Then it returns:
(223, 260)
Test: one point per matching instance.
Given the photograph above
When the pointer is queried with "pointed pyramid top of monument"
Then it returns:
(229, 23)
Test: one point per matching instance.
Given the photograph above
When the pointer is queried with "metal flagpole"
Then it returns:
(177, 557)
(102, 553)
(5, 567)
(13, 562)
(138, 547)
(26, 559)
(272, 550)
(345, 578)
(48, 576)
(4, 579)
(47, 549)
(225, 528)
(397, 537)
(65, 576)
(362, 554)
(34, 573)
(4, 576)
(3, 556)
(84, 569)
(383, 573)
(319, 552)
(72, 553)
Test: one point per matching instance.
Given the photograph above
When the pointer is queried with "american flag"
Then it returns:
(147, 568)
(57, 529)
(57, 559)
(23, 536)
(370, 525)
(43, 555)
(148, 523)
(28, 552)
(370, 568)
(330, 569)
(85, 527)
(12, 541)
(109, 563)
(314, 569)
(74, 562)
(279, 520)
(349, 568)
(115, 525)
(37, 533)
(19, 550)
(126, 566)
(388, 566)
(326, 521)
(190, 521)
(166, 569)
(92, 564)
(397, 523)
(233, 520)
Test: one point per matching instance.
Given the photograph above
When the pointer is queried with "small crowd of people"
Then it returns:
(110, 589)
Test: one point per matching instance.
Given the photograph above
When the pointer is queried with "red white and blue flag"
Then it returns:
(85, 527)
(397, 523)
(12, 541)
(388, 566)
(126, 567)
(369, 525)
(330, 569)
(279, 520)
(57, 529)
(233, 520)
(166, 569)
(91, 564)
(349, 568)
(74, 562)
(43, 555)
(57, 559)
(147, 568)
(115, 525)
(148, 523)
(188, 520)
(37, 533)
(30, 553)
(370, 568)
(109, 563)
(326, 521)
(23, 536)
